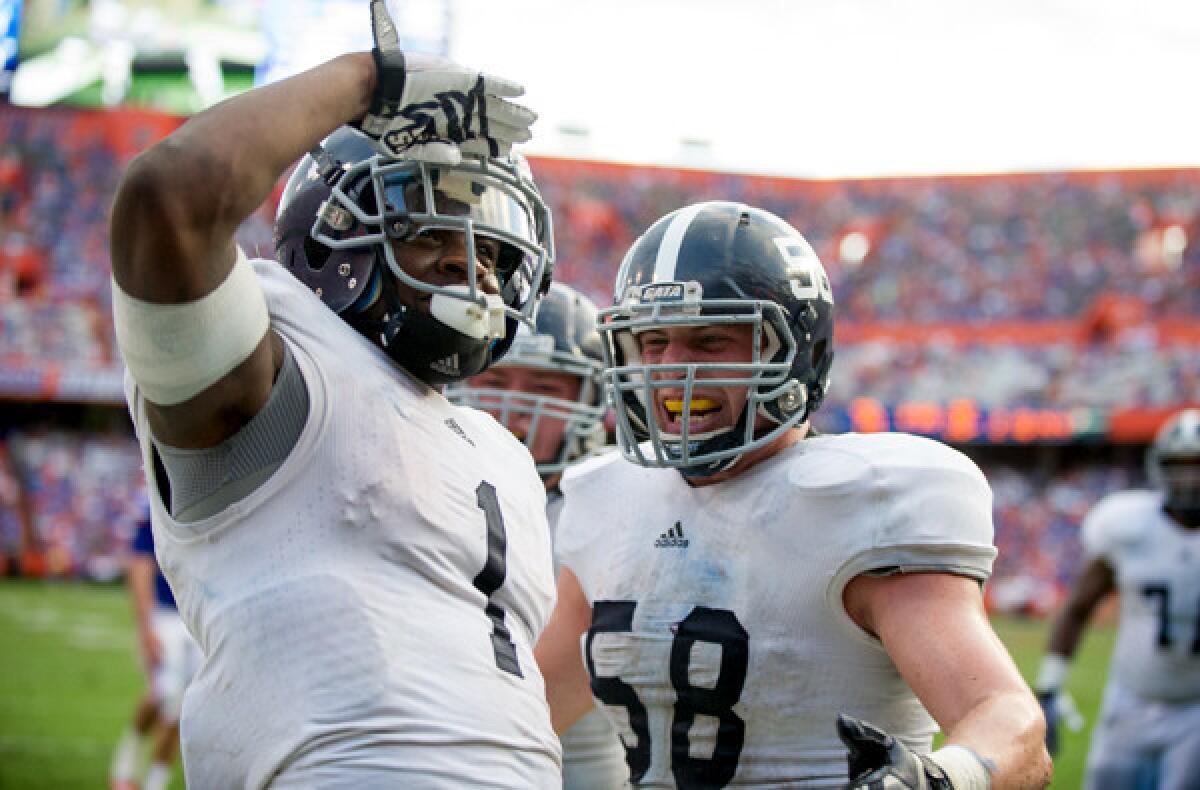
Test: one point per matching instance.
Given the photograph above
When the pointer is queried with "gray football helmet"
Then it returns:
(564, 339)
(345, 205)
(1173, 463)
(718, 263)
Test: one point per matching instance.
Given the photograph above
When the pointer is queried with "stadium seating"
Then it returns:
(1070, 296)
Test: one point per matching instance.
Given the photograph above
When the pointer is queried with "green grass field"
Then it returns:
(69, 678)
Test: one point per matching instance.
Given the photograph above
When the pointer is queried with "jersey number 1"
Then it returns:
(492, 576)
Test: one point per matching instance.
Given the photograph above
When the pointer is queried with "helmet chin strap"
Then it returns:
(727, 440)
(425, 345)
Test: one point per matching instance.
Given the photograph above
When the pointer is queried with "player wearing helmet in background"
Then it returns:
(1145, 546)
(365, 565)
(744, 581)
(548, 392)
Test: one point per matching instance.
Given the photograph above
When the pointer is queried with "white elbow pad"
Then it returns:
(176, 351)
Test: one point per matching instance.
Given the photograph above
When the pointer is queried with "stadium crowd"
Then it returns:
(80, 492)
(1124, 375)
(1017, 248)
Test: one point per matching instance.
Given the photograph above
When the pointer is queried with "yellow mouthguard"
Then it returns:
(698, 405)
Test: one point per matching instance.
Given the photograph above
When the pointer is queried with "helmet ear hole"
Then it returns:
(316, 253)
(818, 353)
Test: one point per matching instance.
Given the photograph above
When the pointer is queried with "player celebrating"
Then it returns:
(1145, 545)
(548, 392)
(365, 565)
(744, 580)
(169, 656)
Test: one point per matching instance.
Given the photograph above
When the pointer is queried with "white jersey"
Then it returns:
(368, 614)
(1157, 567)
(593, 756)
(719, 639)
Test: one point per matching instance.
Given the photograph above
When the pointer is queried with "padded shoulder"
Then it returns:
(902, 503)
(483, 424)
(594, 470)
(1118, 520)
(598, 491)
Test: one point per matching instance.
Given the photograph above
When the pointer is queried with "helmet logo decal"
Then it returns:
(667, 292)
(804, 270)
(689, 293)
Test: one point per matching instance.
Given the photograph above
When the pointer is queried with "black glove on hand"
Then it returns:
(1049, 703)
(880, 762)
(430, 108)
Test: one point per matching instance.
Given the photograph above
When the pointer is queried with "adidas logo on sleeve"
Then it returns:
(672, 539)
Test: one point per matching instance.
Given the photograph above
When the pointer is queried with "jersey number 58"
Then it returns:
(702, 624)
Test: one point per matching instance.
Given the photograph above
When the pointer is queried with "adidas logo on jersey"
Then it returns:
(672, 539)
(447, 366)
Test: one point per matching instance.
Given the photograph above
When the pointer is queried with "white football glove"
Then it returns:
(432, 109)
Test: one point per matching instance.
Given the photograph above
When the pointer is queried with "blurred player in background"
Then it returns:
(169, 658)
(365, 565)
(548, 392)
(745, 581)
(1145, 546)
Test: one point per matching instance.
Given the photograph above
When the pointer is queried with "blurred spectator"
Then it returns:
(81, 490)
(974, 249)
(14, 515)
(1063, 375)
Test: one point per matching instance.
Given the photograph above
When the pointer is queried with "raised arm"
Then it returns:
(936, 631)
(181, 201)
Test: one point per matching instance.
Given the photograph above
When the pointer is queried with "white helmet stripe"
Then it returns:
(668, 251)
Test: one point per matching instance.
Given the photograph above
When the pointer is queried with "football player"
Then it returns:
(1145, 546)
(739, 581)
(169, 658)
(547, 391)
(365, 565)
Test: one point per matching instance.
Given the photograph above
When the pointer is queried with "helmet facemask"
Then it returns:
(373, 203)
(582, 419)
(564, 341)
(637, 387)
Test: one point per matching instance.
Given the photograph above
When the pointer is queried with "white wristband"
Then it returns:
(965, 769)
(1053, 672)
(176, 351)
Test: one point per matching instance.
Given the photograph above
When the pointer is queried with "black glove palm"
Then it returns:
(880, 762)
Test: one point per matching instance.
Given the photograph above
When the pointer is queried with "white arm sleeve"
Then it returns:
(176, 351)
